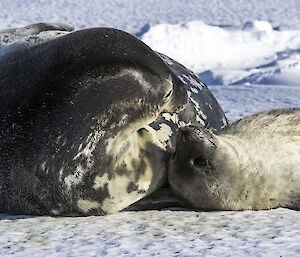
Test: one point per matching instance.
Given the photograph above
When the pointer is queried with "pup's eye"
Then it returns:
(201, 163)
(169, 94)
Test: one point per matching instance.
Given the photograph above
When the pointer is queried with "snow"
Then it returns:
(226, 42)
(253, 53)
(251, 45)
(132, 15)
(241, 100)
(154, 233)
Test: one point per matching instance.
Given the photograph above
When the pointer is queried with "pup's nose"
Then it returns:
(183, 135)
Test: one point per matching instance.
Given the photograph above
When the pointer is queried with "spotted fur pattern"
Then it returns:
(90, 131)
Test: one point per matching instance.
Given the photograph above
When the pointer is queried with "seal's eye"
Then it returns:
(169, 94)
(201, 163)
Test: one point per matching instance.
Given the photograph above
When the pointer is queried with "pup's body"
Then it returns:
(252, 164)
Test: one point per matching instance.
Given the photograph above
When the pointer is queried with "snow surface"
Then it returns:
(241, 100)
(240, 42)
(255, 42)
(132, 15)
(253, 53)
(155, 233)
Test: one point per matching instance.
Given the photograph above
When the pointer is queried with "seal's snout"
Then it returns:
(188, 133)
(183, 135)
(183, 141)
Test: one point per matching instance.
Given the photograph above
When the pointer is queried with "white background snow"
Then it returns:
(248, 52)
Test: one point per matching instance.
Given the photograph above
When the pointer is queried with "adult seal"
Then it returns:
(88, 119)
(253, 164)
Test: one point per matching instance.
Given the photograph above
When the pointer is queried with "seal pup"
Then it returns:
(253, 164)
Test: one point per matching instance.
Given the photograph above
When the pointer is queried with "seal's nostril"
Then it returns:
(184, 136)
(173, 156)
(183, 139)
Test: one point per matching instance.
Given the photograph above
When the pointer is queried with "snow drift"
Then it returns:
(254, 53)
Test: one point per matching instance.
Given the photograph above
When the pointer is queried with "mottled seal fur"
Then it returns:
(252, 164)
(89, 119)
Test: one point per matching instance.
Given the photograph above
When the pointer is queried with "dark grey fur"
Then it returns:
(58, 90)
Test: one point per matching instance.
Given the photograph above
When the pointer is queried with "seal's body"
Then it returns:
(252, 164)
(81, 131)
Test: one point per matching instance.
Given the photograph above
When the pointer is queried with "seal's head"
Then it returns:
(197, 172)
